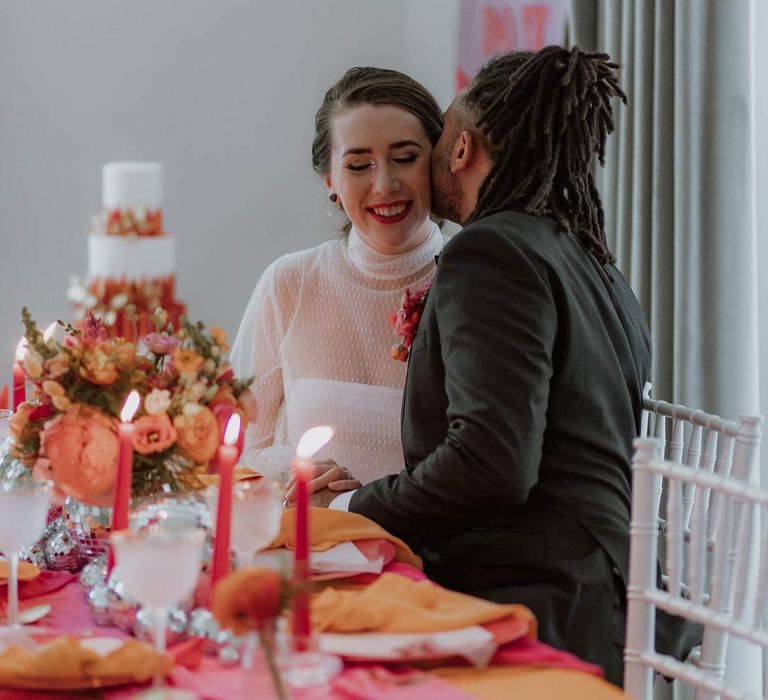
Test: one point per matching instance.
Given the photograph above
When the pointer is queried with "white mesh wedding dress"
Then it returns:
(316, 336)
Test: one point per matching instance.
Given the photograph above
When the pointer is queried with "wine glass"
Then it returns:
(257, 508)
(23, 516)
(158, 567)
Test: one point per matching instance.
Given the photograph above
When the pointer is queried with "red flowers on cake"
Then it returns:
(406, 320)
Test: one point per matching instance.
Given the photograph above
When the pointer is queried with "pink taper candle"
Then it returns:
(304, 470)
(122, 502)
(19, 377)
(227, 458)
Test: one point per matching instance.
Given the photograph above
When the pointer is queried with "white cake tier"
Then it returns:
(132, 185)
(131, 257)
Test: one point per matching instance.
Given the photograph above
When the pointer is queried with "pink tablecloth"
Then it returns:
(214, 682)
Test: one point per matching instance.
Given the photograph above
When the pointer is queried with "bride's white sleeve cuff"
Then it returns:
(341, 502)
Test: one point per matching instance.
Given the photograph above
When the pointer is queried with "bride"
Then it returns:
(315, 333)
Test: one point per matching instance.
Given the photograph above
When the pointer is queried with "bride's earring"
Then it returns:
(334, 200)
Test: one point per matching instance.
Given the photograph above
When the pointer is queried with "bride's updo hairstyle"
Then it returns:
(378, 87)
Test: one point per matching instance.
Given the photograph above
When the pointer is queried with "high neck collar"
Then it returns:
(387, 267)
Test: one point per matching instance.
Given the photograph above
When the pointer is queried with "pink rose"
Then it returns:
(81, 446)
(160, 343)
(153, 433)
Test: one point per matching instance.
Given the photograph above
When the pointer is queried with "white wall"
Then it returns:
(223, 94)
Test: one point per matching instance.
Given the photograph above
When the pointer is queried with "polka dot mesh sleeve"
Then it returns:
(316, 336)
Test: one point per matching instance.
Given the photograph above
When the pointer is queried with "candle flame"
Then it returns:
(49, 332)
(21, 349)
(313, 440)
(130, 406)
(232, 433)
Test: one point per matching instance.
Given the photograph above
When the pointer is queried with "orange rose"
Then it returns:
(247, 599)
(153, 433)
(124, 354)
(99, 366)
(82, 446)
(186, 360)
(219, 336)
(198, 435)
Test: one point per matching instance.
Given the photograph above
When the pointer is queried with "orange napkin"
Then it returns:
(66, 658)
(239, 473)
(27, 571)
(394, 603)
(331, 527)
(504, 682)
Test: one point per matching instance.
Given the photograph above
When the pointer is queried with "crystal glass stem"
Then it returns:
(160, 616)
(13, 589)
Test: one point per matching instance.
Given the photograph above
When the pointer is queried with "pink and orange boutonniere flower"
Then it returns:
(406, 320)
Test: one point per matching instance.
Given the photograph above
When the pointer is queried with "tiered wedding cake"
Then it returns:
(131, 259)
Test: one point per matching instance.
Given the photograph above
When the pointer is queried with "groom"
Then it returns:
(525, 378)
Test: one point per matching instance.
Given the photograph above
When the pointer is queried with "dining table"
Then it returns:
(520, 668)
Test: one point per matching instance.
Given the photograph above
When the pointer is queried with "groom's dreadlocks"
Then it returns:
(543, 116)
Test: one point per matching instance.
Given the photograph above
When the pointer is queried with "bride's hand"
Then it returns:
(328, 475)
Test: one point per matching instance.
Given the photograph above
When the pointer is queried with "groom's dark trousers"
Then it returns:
(523, 395)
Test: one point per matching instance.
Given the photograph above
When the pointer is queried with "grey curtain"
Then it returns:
(678, 192)
(678, 188)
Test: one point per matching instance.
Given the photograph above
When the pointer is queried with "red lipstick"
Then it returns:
(390, 219)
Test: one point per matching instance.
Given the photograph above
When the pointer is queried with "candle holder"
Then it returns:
(304, 664)
(307, 665)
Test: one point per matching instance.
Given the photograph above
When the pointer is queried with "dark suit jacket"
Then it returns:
(523, 395)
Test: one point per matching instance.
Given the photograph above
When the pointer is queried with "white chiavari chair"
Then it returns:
(713, 514)
(705, 442)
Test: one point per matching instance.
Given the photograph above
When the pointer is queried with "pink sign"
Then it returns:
(490, 27)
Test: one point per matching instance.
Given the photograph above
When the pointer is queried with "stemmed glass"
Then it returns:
(158, 567)
(23, 516)
(257, 508)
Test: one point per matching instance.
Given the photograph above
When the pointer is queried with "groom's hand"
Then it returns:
(329, 476)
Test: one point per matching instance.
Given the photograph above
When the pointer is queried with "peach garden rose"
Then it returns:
(198, 433)
(81, 445)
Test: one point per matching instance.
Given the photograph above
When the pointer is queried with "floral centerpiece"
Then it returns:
(68, 433)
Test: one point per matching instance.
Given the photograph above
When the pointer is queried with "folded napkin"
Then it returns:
(70, 658)
(332, 527)
(27, 571)
(394, 603)
(239, 473)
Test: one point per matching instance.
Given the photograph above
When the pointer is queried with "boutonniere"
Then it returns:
(406, 320)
